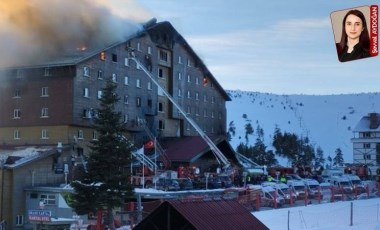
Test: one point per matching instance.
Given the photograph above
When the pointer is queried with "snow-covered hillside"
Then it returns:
(328, 120)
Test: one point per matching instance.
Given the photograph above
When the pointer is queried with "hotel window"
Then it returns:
(80, 134)
(196, 111)
(100, 93)
(179, 60)
(126, 80)
(86, 71)
(126, 61)
(100, 74)
(179, 76)
(47, 72)
(138, 46)
(188, 110)
(160, 107)
(188, 78)
(19, 220)
(212, 114)
(197, 81)
(85, 92)
(49, 199)
(138, 102)
(126, 118)
(44, 92)
(126, 99)
(149, 50)
(161, 124)
(17, 113)
(188, 94)
(17, 93)
(179, 93)
(44, 134)
(220, 116)
(205, 113)
(212, 99)
(138, 83)
(114, 57)
(205, 98)
(94, 135)
(196, 96)
(16, 134)
(44, 112)
(114, 78)
(160, 92)
(366, 145)
(188, 62)
(160, 73)
(150, 103)
(103, 56)
(163, 56)
(149, 85)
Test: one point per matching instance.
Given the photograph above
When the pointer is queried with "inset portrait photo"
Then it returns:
(355, 32)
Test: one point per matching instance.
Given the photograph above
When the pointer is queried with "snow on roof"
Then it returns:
(20, 155)
(364, 126)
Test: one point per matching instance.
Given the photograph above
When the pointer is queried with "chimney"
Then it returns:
(373, 121)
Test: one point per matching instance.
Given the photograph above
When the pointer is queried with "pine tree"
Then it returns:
(105, 182)
(338, 159)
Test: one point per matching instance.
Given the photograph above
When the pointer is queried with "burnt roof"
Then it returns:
(201, 214)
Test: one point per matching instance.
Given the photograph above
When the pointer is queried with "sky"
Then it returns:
(282, 47)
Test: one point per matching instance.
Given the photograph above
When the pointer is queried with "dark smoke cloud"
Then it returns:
(33, 30)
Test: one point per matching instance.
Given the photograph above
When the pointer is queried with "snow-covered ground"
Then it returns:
(328, 120)
(328, 216)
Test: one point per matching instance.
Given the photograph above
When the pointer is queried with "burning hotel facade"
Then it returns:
(56, 101)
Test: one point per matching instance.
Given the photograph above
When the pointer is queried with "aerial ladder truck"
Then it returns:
(222, 160)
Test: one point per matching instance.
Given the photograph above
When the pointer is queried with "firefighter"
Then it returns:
(283, 179)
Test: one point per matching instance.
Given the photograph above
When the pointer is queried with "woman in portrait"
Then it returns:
(354, 43)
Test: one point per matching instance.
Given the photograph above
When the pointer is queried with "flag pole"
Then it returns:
(143, 168)
(155, 157)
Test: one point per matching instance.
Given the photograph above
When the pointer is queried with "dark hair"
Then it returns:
(364, 36)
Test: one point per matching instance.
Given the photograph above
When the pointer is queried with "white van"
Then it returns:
(357, 184)
(342, 184)
(268, 195)
(313, 188)
(297, 187)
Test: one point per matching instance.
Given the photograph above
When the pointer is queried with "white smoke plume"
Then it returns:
(32, 30)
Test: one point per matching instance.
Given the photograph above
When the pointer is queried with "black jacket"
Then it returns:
(357, 53)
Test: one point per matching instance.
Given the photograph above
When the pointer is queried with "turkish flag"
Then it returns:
(149, 145)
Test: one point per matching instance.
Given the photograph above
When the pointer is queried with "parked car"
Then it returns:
(185, 183)
(212, 183)
(166, 184)
(226, 181)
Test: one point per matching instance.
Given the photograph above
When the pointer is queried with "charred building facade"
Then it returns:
(55, 100)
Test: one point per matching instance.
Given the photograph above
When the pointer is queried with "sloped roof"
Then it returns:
(364, 125)
(201, 215)
(191, 148)
(185, 148)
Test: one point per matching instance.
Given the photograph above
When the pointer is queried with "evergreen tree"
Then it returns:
(338, 159)
(248, 131)
(105, 182)
(231, 131)
(319, 158)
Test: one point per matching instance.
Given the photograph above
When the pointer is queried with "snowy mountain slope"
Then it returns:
(327, 120)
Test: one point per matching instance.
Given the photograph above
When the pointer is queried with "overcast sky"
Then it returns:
(267, 46)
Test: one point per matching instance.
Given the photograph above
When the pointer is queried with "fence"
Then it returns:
(347, 214)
